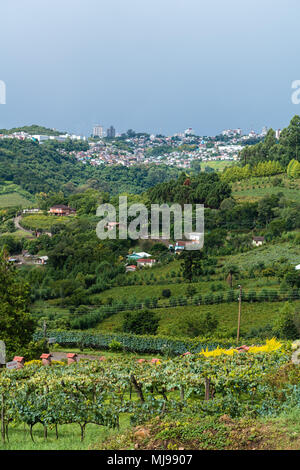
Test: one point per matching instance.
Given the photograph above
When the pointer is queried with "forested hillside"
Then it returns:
(43, 168)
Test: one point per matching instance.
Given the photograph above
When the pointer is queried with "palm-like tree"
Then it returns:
(230, 271)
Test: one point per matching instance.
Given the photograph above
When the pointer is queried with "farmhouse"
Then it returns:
(146, 262)
(61, 209)
(258, 241)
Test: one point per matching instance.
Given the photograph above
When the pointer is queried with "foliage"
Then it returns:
(141, 322)
(16, 324)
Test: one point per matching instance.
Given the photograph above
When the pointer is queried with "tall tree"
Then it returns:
(16, 324)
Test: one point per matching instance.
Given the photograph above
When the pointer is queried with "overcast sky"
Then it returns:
(151, 65)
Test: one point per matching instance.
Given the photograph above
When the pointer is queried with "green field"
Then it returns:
(268, 254)
(217, 165)
(14, 199)
(255, 188)
(173, 321)
(69, 437)
(44, 222)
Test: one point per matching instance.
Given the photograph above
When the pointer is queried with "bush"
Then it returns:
(115, 346)
(33, 350)
(141, 322)
(166, 293)
(142, 344)
(286, 325)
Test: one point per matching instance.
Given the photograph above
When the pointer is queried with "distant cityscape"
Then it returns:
(185, 149)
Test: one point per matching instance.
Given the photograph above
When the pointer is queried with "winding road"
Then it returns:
(19, 227)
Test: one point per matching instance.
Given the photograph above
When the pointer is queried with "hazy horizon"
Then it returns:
(153, 66)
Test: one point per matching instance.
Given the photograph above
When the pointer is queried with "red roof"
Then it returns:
(18, 358)
(71, 355)
(45, 356)
(146, 260)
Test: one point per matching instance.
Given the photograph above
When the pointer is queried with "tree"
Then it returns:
(230, 271)
(16, 324)
(142, 322)
(191, 263)
(285, 326)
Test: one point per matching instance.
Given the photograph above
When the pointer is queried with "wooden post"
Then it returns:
(2, 419)
(207, 388)
(239, 317)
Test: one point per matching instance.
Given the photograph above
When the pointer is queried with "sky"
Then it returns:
(158, 66)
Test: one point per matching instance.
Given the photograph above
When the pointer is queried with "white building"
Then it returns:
(98, 131)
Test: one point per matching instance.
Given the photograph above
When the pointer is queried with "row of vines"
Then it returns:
(100, 392)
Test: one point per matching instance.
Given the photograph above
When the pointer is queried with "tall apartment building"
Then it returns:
(111, 132)
(98, 131)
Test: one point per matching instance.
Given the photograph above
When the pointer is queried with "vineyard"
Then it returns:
(232, 382)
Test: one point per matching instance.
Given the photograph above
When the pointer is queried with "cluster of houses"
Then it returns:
(142, 260)
(27, 258)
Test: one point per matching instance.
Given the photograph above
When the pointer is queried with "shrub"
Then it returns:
(115, 346)
(141, 322)
(191, 291)
(166, 293)
(286, 324)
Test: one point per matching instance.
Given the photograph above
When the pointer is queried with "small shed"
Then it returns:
(46, 359)
(258, 241)
(20, 360)
(72, 358)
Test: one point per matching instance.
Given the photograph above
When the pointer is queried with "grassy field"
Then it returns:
(217, 165)
(255, 188)
(69, 437)
(12, 195)
(268, 254)
(14, 199)
(175, 321)
(44, 222)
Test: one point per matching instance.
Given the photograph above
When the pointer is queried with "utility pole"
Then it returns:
(240, 311)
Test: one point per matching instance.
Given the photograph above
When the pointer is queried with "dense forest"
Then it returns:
(283, 150)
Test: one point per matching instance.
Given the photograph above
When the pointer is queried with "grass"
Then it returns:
(44, 222)
(19, 234)
(211, 433)
(256, 188)
(13, 199)
(69, 437)
(217, 165)
(268, 254)
(12, 195)
(173, 321)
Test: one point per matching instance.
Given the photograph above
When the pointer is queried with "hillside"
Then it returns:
(50, 168)
(32, 130)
